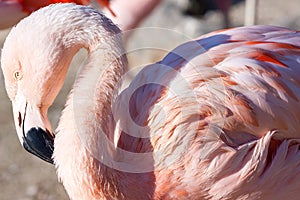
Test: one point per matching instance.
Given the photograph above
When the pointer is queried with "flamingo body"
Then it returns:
(217, 118)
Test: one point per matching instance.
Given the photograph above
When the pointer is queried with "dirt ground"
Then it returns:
(25, 177)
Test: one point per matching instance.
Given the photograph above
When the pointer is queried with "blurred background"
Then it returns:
(25, 177)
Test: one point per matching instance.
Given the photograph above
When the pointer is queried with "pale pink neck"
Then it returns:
(87, 122)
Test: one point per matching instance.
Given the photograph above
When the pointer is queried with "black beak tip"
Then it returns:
(40, 143)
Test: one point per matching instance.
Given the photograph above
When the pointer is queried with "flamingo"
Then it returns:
(217, 118)
(12, 11)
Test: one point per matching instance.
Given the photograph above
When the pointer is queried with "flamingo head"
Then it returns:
(34, 71)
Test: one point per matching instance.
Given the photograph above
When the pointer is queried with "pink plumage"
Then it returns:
(217, 118)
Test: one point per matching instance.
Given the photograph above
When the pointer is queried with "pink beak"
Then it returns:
(33, 129)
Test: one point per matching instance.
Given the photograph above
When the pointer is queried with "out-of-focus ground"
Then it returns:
(25, 177)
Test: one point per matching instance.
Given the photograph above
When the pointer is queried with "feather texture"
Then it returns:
(217, 118)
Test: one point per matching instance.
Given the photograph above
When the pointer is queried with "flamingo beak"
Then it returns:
(33, 129)
(39, 142)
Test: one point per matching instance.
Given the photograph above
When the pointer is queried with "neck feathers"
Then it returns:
(87, 123)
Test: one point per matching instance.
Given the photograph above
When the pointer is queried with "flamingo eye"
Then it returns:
(18, 75)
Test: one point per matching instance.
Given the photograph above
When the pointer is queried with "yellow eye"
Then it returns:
(18, 75)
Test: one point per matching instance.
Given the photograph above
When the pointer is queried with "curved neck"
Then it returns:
(79, 27)
(88, 109)
(96, 87)
(91, 97)
(98, 81)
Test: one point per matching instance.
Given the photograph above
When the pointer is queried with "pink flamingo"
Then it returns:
(217, 118)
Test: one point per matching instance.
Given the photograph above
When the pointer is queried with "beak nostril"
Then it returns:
(20, 119)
